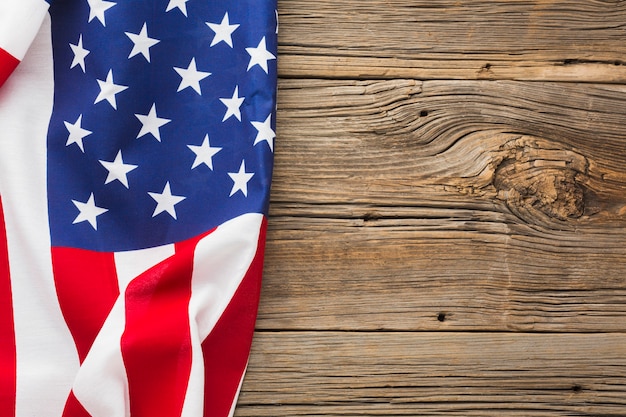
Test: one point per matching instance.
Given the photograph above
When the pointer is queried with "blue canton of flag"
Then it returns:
(169, 106)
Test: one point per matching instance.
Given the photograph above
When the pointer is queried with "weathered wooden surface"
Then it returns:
(425, 374)
(570, 40)
(442, 244)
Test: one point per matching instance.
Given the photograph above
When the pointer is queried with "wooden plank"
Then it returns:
(428, 374)
(443, 240)
(417, 275)
(558, 40)
(448, 205)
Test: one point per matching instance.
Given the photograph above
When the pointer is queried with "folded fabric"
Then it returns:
(136, 149)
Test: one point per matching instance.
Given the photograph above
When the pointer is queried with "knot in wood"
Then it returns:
(537, 181)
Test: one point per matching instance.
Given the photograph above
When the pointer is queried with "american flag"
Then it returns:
(136, 149)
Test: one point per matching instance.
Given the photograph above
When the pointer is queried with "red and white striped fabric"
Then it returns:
(19, 23)
(163, 331)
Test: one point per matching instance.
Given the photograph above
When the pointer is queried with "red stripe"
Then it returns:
(86, 284)
(7, 64)
(7, 331)
(73, 408)
(227, 347)
(156, 344)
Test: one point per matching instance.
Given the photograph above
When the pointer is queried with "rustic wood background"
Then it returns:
(447, 229)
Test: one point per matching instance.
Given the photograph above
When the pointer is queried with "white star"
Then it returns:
(79, 53)
(77, 133)
(180, 4)
(204, 153)
(232, 105)
(276, 12)
(108, 90)
(259, 56)
(142, 43)
(223, 31)
(191, 77)
(265, 132)
(117, 170)
(166, 201)
(97, 9)
(240, 180)
(88, 212)
(151, 123)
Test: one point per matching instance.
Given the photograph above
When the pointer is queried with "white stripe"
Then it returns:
(194, 397)
(131, 264)
(46, 356)
(101, 384)
(234, 404)
(20, 21)
(221, 261)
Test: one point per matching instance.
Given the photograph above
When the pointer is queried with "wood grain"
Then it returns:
(566, 40)
(498, 205)
(447, 231)
(429, 374)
